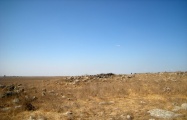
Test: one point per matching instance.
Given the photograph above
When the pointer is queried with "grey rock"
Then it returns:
(159, 113)
(184, 106)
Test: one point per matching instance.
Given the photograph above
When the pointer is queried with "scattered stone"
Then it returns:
(111, 102)
(18, 107)
(106, 103)
(2, 86)
(19, 90)
(34, 98)
(167, 89)
(52, 92)
(176, 108)
(41, 118)
(32, 117)
(113, 113)
(123, 117)
(8, 94)
(63, 96)
(184, 106)
(10, 87)
(76, 81)
(2, 95)
(111, 118)
(26, 97)
(129, 117)
(103, 103)
(19, 85)
(142, 102)
(6, 109)
(130, 76)
(69, 114)
(44, 90)
(159, 113)
(16, 101)
(43, 93)
(175, 104)
(29, 107)
(104, 75)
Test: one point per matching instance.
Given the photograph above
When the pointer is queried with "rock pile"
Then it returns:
(13, 97)
(10, 90)
(89, 77)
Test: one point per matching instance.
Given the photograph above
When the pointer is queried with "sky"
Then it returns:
(79, 37)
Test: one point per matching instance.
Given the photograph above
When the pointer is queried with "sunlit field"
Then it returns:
(93, 97)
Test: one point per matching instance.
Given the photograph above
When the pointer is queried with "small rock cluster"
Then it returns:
(13, 97)
(11, 90)
(88, 77)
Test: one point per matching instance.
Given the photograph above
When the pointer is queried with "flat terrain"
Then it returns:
(96, 97)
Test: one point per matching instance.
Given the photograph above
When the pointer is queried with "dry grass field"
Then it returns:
(97, 97)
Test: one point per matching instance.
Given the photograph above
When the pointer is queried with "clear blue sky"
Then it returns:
(78, 37)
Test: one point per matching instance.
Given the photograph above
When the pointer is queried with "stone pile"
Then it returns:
(11, 90)
(89, 77)
(13, 97)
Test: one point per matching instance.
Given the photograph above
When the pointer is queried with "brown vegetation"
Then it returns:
(99, 97)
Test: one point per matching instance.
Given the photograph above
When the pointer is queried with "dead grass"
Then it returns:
(134, 96)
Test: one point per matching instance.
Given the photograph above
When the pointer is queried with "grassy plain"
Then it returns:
(94, 98)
